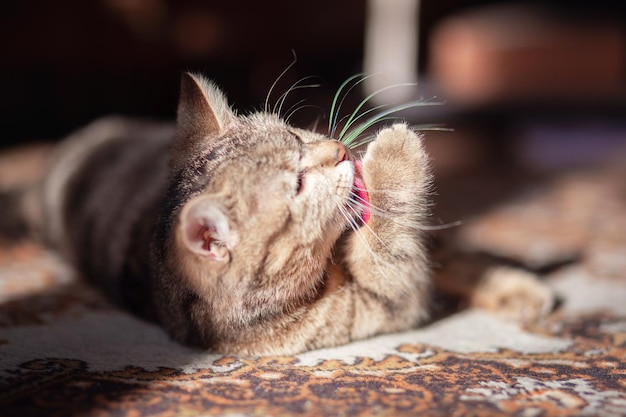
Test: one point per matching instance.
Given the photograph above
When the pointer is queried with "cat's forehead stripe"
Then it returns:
(297, 137)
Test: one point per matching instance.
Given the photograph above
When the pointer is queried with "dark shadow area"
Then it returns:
(66, 63)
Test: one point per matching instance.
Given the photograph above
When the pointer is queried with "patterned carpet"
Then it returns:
(64, 351)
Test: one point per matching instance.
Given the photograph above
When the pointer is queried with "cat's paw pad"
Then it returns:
(395, 141)
(396, 160)
(514, 294)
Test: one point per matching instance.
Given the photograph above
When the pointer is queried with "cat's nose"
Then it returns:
(342, 153)
(327, 153)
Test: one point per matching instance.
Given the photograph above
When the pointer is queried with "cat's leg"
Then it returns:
(386, 257)
(513, 293)
(478, 281)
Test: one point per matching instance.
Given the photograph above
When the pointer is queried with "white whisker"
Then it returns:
(295, 86)
(364, 141)
(351, 221)
(367, 226)
(282, 74)
(441, 226)
(374, 256)
(293, 111)
(377, 211)
(290, 110)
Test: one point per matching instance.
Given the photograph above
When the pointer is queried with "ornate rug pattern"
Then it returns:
(64, 351)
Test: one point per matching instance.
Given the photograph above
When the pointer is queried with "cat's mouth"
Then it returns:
(360, 196)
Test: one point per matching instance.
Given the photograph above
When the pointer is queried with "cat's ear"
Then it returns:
(203, 113)
(206, 230)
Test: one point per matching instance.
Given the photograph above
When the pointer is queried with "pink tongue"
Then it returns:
(359, 185)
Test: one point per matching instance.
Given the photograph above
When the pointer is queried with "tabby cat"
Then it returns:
(243, 234)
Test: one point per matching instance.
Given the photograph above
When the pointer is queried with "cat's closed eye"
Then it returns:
(300, 181)
(297, 137)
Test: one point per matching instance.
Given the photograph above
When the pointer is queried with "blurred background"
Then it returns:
(534, 82)
(65, 63)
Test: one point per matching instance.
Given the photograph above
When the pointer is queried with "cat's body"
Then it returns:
(242, 234)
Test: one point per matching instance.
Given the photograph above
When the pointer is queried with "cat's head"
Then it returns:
(261, 203)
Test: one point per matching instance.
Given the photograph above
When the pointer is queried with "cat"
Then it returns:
(241, 234)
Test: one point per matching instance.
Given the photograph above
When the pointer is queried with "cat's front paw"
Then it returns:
(396, 167)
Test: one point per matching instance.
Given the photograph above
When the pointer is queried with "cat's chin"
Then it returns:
(360, 192)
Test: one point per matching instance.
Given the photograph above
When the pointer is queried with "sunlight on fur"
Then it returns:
(242, 234)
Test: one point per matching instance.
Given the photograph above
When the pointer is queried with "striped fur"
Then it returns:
(241, 234)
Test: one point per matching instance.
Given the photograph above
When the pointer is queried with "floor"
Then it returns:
(65, 351)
